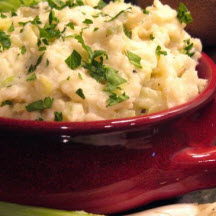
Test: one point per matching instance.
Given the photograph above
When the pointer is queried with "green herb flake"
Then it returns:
(97, 15)
(128, 10)
(23, 50)
(70, 25)
(40, 105)
(103, 73)
(58, 117)
(74, 60)
(88, 21)
(52, 18)
(47, 62)
(160, 52)
(145, 12)
(101, 5)
(80, 76)
(50, 32)
(151, 37)
(80, 93)
(88, 49)
(115, 99)
(96, 29)
(112, 77)
(7, 102)
(32, 78)
(188, 48)
(13, 13)
(68, 78)
(42, 49)
(35, 21)
(45, 41)
(32, 68)
(134, 59)
(3, 16)
(11, 29)
(184, 14)
(59, 5)
(5, 42)
(127, 32)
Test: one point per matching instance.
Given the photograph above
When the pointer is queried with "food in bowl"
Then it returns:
(86, 61)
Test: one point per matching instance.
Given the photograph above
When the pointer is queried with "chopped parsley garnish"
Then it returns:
(35, 21)
(79, 38)
(47, 62)
(101, 5)
(102, 73)
(23, 50)
(53, 20)
(5, 41)
(40, 105)
(3, 16)
(59, 5)
(80, 76)
(88, 21)
(50, 32)
(127, 32)
(96, 29)
(71, 25)
(188, 49)
(74, 60)
(160, 52)
(32, 68)
(7, 102)
(151, 37)
(32, 78)
(96, 15)
(13, 13)
(42, 49)
(120, 13)
(184, 14)
(80, 93)
(58, 117)
(134, 59)
(114, 99)
(145, 11)
(11, 29)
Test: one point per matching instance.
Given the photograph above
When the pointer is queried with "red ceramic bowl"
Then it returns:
(111, 166)
(206, 70)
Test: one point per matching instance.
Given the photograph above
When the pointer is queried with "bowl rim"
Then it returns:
(122, 123)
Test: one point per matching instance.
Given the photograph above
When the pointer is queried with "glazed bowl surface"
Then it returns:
(206, 69)
(112, 166)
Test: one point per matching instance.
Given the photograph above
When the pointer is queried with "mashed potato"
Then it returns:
(93, 62)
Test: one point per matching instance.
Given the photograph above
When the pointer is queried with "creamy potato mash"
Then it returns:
(90, 61)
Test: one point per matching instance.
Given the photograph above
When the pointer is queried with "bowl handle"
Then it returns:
(201, 157)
